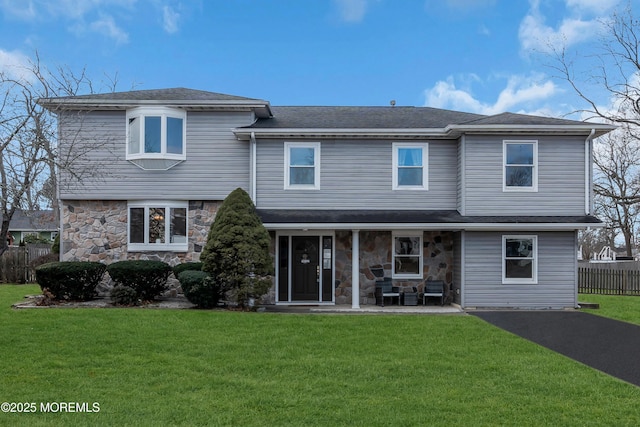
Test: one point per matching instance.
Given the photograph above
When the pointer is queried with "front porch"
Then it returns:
(317, 267)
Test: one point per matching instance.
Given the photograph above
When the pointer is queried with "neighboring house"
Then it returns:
(489, 204)
(41, 224)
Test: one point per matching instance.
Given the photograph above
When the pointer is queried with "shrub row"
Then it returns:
(147, 278)
(77, 280)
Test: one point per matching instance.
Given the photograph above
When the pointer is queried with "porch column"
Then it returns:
(355, 269)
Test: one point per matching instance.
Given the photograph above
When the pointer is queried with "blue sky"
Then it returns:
(482, 56)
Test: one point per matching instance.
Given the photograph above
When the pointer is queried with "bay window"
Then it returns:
(156, 137)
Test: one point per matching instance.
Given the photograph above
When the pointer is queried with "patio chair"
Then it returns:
(385, 289)
(434, 289)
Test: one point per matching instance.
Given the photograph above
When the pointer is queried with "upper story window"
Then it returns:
(302, 165)
(407, 255)
(156, 135)
(520, 255)
(410, 166)
(520, 166)
(157, 226)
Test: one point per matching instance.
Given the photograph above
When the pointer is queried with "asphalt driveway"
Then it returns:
(605, 344)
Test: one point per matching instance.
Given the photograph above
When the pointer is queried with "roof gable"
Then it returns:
(33, 221)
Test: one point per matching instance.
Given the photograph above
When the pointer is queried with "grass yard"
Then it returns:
(625, 308)
(190, 367)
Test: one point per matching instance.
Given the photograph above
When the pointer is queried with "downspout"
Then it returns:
(588, 176)
(253, 167)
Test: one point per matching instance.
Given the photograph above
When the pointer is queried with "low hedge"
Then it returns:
(187, 266)
(124, 295)
(70, 280)
(200, 288)
(147, 278)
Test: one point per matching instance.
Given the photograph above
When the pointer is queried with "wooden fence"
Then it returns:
(608, 281)
(15, 263)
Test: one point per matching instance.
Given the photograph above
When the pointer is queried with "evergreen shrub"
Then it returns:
(191, 266)
(200, 288)
(70, 280)
(124, 295)
(147, 278)
(237, 250)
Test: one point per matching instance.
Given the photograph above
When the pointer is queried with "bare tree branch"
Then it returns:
(28, 138)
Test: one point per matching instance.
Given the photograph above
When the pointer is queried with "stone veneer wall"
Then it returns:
(375, 251)
(96, 230)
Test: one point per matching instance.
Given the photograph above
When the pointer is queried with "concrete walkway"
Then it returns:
(365, 309)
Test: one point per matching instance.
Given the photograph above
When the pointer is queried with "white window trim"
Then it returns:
(159, 247)
(316, 159)
(534, 186)
(518, 281)
(425, 165)
(163, 113)
(408, 233)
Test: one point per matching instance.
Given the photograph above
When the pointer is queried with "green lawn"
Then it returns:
(190, 367)
(625, 308)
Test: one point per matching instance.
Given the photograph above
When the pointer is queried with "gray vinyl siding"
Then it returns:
(216, 164)
(557, 281)
(356, 175)
(561, 187)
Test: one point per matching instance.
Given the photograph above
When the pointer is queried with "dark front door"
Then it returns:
(305, 268)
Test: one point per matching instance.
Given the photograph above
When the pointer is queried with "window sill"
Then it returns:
(407, 276)
(410, 188)
(302, 187)
(519, 282)
(520, 189)
(140, 247)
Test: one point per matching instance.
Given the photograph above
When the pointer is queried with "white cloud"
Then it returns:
(520, 92)
(76, 12)
(25, 10)
(352, 10)
(592, 6)
(107, 27)
(536, 35)
(170, 19)
(15, 64)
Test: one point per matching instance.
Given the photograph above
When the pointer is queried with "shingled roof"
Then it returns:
(43, 220)
(172, 97)
(362, 118)
(170, 94)
(344, 120)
